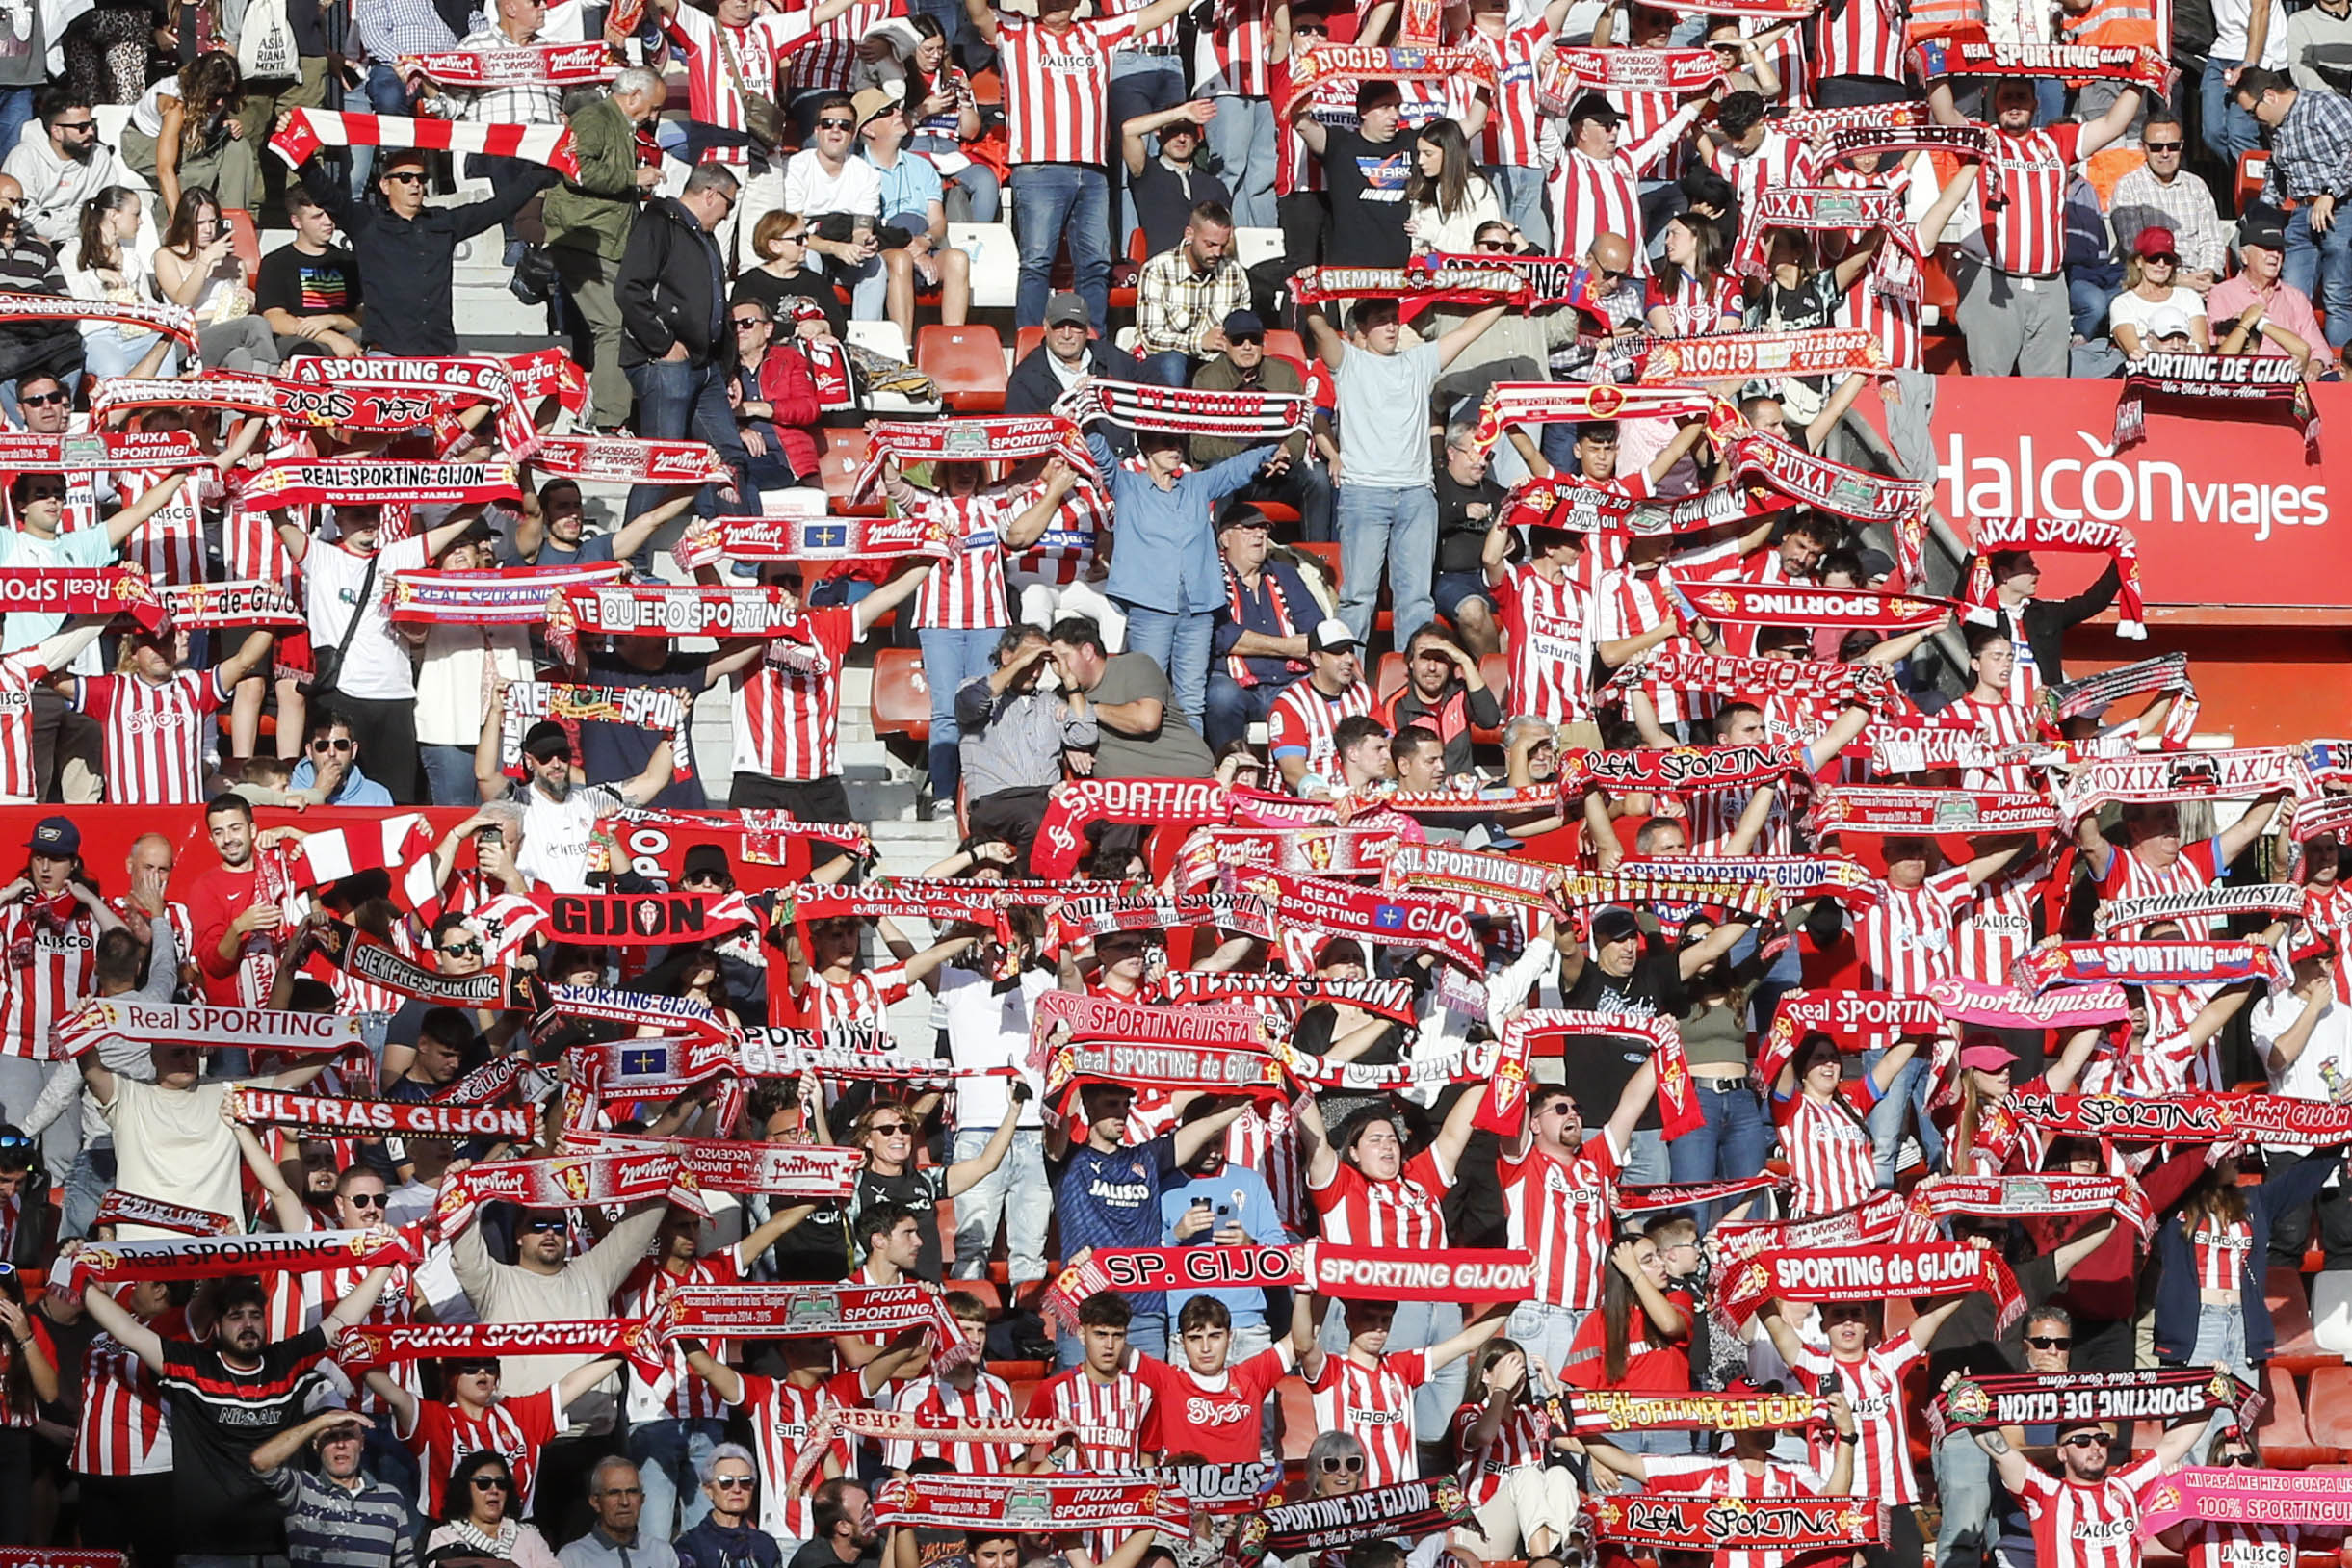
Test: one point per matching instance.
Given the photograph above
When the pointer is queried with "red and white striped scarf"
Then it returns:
(307, 130)
(2086, 535)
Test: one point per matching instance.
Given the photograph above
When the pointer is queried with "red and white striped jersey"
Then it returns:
(1552, 633)
(862, 1001)
(1895, 319)
(516, 1429)
(50, 948)
(825, 61)
(1828, 1149)
(1109, 1417)
(2197, 865)
(1304, 718)
(1874, 1388)
(2220, 1248)
(298, 1301)
(787, 706)
(170, 545)
(2165, 1064)
(2001, 723)
(1058, 88)
(1562, 1212)
(966, 592)
(1332, 103)
(1522, 1438)
(2216, 1545)
(1779, 160)
(2087, 1524)
(1856, 37)
(679, 1393)
(252, 551)
(2328, 910)
(1512, 126)
(1694, 308)
(1730, 1479)
(1265, 1140)
(156, 736)
(1906, 936)
(758, 50)
(2024, 187)
(1374, 1406)
(782, 1413)
(930, 1398)
(1711, 818)
(1232, 47)
(1066, 551)
(1400, 1212)
(18, 672)
(121, 1430)
(1997, 927)
(1591, 198)
(1632, 603)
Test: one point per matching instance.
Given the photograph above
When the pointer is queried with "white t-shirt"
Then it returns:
(173, 1145)
(990, 1029)
(453, 690)
(558, 834)
(376, 667)
(812, 191)
(2231, 20)
(2330, 1042)
(2137, 309)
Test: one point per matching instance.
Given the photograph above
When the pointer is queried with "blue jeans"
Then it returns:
(2321, 267)
(1396, 527)
(1178, 642)
(1646, 1163)
(1542, 1328)
(383, 93)
(1049, 202)
(2228, 129)
(15, 112)
(670, 1458)
(1016, 1190)
(949, 660)
(978, 182)
(678, 399)
(448, 775)
(86, 1185)
(1731, 1140)
(1521, 191)
(1234, 707)
(1242, 135)
(1887, 1117)
(1963, 1479)
(116, 351)
(1173, 367)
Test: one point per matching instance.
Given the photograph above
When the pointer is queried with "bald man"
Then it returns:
(147, 900)
(28, 264)
(1610, 294)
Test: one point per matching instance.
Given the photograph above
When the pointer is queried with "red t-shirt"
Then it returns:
(1219, 1418)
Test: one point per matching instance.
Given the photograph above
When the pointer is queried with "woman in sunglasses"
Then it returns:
(477, 1512)
(2216, 1544)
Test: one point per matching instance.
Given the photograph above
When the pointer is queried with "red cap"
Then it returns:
(1989, 1059)
(2156, 240)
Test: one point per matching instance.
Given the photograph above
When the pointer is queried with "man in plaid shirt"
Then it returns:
(2311, 165)
(1183, 296)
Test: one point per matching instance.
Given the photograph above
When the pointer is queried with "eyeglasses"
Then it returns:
(463, 949)
(406, 176)
(732, 1483)
(2153, 148)
(367, 1200)
(837, 126)
(74, 125)
(41, 400)
(1343, 1464)
(324, 745)
(2050, 1342)
(492, 1484)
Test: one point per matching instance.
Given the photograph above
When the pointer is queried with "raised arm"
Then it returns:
(133, 1335)
(964, 1173)
(982, 16)
(279, 1451)
(2014, 1468)
(1450, 346)
(292, 1217)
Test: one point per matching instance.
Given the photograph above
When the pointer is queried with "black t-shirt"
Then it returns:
(327, 284)
(819, 1554)
(918, 1193)
(1164, 200)
(615, 751)
(772, 291)
(219, 1415)
(1464, 514)
(1971, 1339)
(1598, 1069)
(1368, 208)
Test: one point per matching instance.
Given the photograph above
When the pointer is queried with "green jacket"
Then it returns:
(597, 211)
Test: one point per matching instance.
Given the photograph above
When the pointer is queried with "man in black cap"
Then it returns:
(1067, 356)
(2085, 1512)
(1245, 366)
(51, 922)
(559, 807)
(1259, 646)
(2258, 296)
(1601, 182)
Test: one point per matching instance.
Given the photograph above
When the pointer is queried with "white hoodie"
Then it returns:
(56, 188)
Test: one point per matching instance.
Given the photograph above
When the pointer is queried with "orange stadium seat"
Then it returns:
(902, 697)
(245, 239)
(968, 362)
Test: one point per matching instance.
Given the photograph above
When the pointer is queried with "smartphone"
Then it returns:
(1224, 1211)
(495, 836)
(1832, 1383)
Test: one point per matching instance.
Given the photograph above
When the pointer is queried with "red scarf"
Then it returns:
(2202, 904)
(678, 611)
(1906, 811)
(999, 1504)
(1934, 58)
(1546, 1033)
(1675, 668)
(1870, 1274)
(2197, 775)
(206, 1027)
(296, 482)
(2162, 1395)
(642, 920)
(82, 590)
(217, 1257)
(509, 596)
(1485, 883)
(530, 65)
(2054, 1193)
(1802, 604)
(1834, 487)
(1591, 1412)
(307, 130)
(121, 1208)
(2146, 963)
(806, 1171)
(1563, 72)
(2187, 1118)
(1542, 403)
(174, 322)
(2085, 534)
(643, 463)
(1998, 1006)
(1694, 1522)
(1317, 904)
(382, 1345)
(1830, 350)
(1391, 999)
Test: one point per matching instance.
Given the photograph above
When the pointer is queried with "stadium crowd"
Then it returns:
(1528, 980)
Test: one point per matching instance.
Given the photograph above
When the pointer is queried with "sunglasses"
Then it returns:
(463, 950)
(2048, 1341)
(1245, 337)
(837, 126)
(464, 1369)
(732, 1483)
(368, 1200)
(75, 124)
(745, 324)
(894, 1128)
(544, 1223)
(1343, 1464)
(41, 400)
(344, 744)
(2085, 1440)
(492, 1484)
(1493, 244)
(2161, 146)
(406, 176)
(1318, 29)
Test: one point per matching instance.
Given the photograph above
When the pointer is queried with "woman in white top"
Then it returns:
(197, 268)
(184, 131)
(2152, 304)
(106, 261)
(1448, 198)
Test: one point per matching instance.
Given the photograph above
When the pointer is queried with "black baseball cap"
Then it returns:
(546, 739)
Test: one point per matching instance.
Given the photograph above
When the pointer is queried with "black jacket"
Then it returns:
(1033, 389)
(672, 288)
(2046, 620)
(410, 263)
